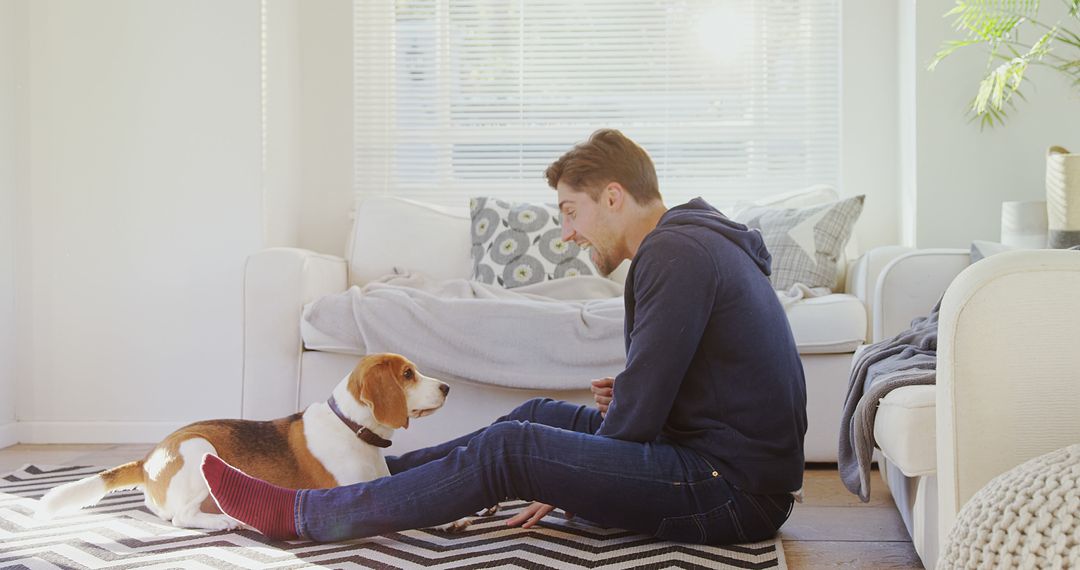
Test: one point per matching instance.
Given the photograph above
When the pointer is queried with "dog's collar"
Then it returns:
(361, 432)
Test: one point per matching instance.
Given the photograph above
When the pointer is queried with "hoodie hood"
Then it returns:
(698, 212)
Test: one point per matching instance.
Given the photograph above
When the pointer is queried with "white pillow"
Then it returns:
(393, 234)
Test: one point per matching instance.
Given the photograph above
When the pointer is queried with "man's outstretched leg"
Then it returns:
(505, 460)
(645, 487)
(271, 509)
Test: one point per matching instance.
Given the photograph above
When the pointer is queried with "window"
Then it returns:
(732, 98)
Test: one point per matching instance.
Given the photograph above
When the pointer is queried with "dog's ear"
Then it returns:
(381, 390)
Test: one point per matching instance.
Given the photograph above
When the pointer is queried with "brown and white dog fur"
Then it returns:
(313, 449)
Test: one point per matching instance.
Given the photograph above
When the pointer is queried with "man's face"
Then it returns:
(590, 225)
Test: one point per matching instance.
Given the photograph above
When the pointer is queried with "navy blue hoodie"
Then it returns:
(711, 363)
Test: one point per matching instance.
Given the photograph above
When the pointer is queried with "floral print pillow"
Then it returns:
(515, 244)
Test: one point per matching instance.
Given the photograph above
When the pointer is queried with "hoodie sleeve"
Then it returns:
(674, 290)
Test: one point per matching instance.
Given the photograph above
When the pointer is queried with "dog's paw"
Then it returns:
(489, 511)
(206, 521)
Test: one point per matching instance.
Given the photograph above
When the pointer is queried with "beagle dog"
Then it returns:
(332, 443)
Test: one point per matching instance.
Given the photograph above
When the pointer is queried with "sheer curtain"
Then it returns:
(734, 99)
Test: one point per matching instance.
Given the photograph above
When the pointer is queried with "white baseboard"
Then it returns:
(9, 434)
(94, 432)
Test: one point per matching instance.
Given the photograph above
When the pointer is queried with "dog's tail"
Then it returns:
(71, 497)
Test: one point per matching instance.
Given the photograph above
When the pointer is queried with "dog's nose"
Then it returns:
(444, 388)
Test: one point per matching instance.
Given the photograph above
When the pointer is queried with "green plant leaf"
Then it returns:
(1000, 84)
(992, 117)
(991, 20)
(947, 50)
(1042, 47)
(998, 25)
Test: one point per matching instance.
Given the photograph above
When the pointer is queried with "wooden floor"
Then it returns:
(832, 529)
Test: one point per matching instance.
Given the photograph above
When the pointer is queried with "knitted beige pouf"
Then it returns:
(1028, 517)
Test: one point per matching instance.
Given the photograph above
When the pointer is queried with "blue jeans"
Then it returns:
(545, 451)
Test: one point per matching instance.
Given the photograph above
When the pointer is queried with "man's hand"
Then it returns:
(603, 391)
(532, 514)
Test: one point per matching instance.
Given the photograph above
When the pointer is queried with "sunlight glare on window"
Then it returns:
(726, 32)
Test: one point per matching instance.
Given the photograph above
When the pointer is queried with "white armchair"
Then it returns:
(1008, 370)
(1008, 381)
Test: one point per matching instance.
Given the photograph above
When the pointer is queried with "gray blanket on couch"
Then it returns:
(906, 359)
(554, 335)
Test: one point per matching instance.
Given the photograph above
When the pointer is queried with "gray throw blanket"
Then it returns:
(906, 359)
(554, 335)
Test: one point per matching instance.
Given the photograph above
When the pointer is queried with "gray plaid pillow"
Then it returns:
(521, 244)
(806, 243)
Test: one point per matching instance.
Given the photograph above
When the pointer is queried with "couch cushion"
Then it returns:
(812, 196)
(829, 324)
(396, 234)
(520, 243)
(807, 244)
(904, 429)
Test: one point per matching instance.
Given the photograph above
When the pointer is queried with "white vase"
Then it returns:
(1062, 198)
(1023, 224)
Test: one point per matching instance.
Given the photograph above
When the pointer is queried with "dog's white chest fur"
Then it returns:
(344, 455)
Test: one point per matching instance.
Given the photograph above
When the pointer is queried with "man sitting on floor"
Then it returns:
(699, 439)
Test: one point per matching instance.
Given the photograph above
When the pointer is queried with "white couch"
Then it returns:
(1008, 383)
(281, 376)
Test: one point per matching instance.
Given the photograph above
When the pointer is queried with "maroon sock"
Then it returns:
(252, 501)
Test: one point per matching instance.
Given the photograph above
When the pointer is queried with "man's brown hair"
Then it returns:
(608, 156)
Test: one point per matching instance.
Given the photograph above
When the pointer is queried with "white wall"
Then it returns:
(143, 200)
(326, 127)
(932, 178)
(905, 72)
(282, 186)
(10, 12)
(869, 128)
(961, 174)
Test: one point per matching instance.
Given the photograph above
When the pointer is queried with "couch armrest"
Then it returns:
(278, 282)
(909, 285)
(863, 275)
(1008, 372)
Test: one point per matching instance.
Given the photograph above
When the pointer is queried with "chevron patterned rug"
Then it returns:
(121, 533)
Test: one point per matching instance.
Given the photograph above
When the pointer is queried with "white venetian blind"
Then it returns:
(733, 99)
